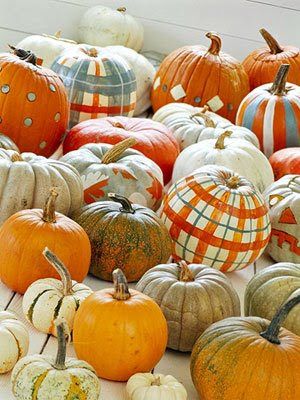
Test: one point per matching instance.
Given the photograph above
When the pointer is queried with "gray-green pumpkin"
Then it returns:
(191, 297)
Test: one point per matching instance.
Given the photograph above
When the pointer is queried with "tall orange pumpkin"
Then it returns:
(195, 75)
(34, 109)
(262, 64)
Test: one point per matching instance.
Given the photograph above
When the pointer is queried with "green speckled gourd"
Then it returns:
(192, 297)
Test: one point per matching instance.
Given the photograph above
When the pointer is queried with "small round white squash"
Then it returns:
(14, 341)
(146, 386)
(48, 299)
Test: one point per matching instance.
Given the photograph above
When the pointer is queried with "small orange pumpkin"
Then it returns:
(286, 162)
(119, 331)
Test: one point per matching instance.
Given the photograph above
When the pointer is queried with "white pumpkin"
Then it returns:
(146, 386)
(104, 26)
(235, 154)
(144, 73)
(46, 47)
(25, 181)
(48, 299)
(14, 341)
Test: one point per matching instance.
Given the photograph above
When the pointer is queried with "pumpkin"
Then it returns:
(48, 299)
(261, 65)
(103, 26)
(7, 144)
(262, 359)
(154, 386)
(23, 238)
(105, 168)
(272, 112)
(192, 297)
(99, 83)
(123, 235)
(217, 218)
(41, 377)
(270, 288)
(286, 162)
(46, 47)
(144, 73)
(14, 341)
(40, 98)
(194, 75)
(236, 154)
(25, 180)
(131, 327)
(154, 140)
(283, 198)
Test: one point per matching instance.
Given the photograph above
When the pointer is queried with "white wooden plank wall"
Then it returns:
(168, 23)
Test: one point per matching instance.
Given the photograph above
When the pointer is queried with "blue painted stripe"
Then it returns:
(292, 132)
(250, 112)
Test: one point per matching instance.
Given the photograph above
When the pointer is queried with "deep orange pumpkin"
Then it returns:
(23, 238)
(262, 64)
(119, 331)
(195, 75)
(153, 139)
(34, 109)
(285, 162)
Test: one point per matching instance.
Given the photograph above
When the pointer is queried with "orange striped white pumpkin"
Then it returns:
(272, 112)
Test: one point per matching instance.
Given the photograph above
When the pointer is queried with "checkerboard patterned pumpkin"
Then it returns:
(216, 217)
(99, 83)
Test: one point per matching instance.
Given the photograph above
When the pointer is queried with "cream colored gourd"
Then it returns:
(25, 181)
(268, 290)
(146, 386)
(104, 26)
(46, 47)
(41, 377)
(236, 154)
(7, 144)
(48, 299)
(191, 297)
(14, 341)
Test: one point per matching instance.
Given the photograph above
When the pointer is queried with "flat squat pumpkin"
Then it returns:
(123, 235)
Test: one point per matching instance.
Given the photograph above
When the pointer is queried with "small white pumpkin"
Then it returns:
(48, 299)
(41, 377)
(236, 154)
(146, 386)
(14, 341)
(46, 47)
(103, 26)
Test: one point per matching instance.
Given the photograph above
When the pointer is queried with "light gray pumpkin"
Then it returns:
(270, 289)
(191, 297)
(7, 144)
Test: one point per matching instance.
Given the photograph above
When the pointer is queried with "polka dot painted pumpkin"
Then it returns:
(34, 108)
(194, 75)
(217, 218)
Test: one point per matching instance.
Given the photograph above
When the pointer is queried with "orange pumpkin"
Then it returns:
(119, 331)
(34, 109)
(195, 75)
(23, 238)
(261, 65)
(285, 162)
(248, 358)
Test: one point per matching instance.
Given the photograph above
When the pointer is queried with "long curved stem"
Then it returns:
(117, 150)
(61, 269)
(126, 204)
(60, 361)
(279, 85)
(49, 207)
(274, 46)
(216, 43)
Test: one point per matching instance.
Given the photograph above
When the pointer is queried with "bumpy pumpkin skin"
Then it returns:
(134, 242)
(192, 303)
(286, 162)
(270, 289)
(232, 361)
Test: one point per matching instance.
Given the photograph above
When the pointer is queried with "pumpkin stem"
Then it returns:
(24, 55)
(156, 381)
(126, 204)
(216, 43)
(117, 150)
(62, 270)
(57, 34)
(121, 285)
(117, 125)
(185, 273)
(233, 182)
(93, 52)
(62, 332)
(209, 123)
(49, 207)
(274, 46)
(121, 9)
(221, 139)
(272, 332)
(16, 157)
(279, 85)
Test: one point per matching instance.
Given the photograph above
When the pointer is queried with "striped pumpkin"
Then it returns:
(217, 218)
(272, 112)
(98, 82)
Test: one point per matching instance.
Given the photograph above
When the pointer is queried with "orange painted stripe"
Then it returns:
(279, 125)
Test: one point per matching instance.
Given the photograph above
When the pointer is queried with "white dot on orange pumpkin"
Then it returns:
(43, 145)
(31, 96)
(57, 117)
(52, 87)
(27, 121)
(5, 89)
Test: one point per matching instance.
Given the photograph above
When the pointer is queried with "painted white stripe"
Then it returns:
(268, 138)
